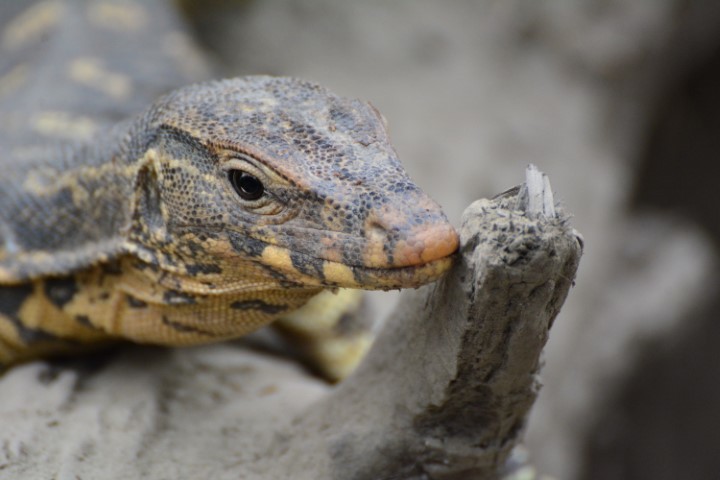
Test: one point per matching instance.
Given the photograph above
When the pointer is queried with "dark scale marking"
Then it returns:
(259, 305)
(174, 297)
(11, 300)
(152, 266)
(246, 245)
(84, 320)
(135, 302)
(194, 248)
(352, 255)
(203, 268)
(170, 258)
(359, 275)
(389, 248)
(27, 223)
(308, 265)
(179, 327)
(279, 277)
(111, 268)
(61, 290)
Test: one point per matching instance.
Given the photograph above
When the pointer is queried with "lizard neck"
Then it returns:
(86, 188)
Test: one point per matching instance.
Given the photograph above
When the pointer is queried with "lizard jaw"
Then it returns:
(387, 278)
(313, 271)
(422, 255)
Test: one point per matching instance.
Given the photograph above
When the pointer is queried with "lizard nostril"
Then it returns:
(376, 227)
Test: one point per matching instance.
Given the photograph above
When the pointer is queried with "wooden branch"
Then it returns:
(445, 391)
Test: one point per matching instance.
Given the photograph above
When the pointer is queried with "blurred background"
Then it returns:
(619, 102)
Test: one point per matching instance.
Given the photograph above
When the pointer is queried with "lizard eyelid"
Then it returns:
(252, 186)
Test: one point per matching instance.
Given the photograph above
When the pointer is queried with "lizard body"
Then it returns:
(220, 208)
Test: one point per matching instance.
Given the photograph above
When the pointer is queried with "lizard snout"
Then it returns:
(396, 240)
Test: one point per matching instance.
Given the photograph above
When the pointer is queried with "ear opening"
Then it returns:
(148, 216)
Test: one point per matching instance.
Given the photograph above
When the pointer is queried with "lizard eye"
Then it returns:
(246, 185)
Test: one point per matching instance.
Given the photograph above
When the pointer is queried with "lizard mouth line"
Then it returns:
(411, 276)
(329, 273)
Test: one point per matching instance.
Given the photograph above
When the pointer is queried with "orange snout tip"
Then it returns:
(426, 245)
(439, 243)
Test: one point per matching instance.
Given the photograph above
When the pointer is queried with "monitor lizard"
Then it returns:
(220, 208)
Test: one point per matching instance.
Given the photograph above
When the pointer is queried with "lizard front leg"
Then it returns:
(332, 331)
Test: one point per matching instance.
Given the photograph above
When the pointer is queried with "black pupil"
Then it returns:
(247, 186)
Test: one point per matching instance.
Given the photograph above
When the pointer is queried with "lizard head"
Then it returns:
(283, 178)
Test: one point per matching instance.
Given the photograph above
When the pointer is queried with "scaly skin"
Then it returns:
(140, 233)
